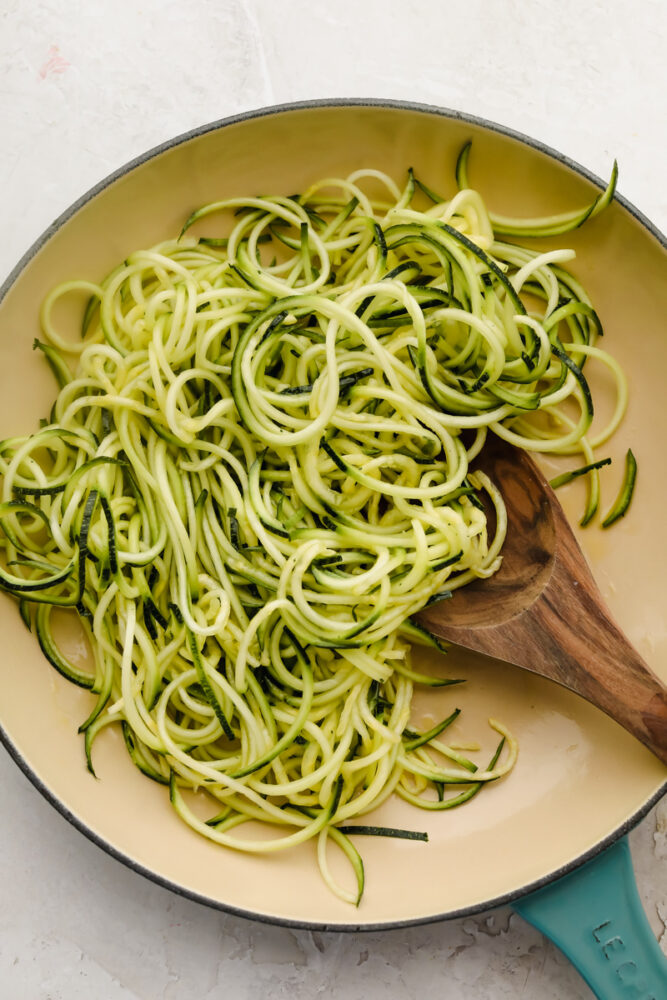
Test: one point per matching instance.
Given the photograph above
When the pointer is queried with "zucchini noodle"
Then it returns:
(260, 470)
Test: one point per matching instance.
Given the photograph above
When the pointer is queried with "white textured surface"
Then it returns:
(86, 86)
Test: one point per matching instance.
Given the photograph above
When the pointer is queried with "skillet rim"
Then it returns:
(14, 752)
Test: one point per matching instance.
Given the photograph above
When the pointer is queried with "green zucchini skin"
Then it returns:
(257, 470)
(622, 502)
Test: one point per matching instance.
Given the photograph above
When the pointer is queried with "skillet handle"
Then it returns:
(596, 918)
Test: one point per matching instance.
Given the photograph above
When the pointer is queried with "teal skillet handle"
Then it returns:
(596, 918)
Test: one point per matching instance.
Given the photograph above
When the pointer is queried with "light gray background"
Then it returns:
(84, 86)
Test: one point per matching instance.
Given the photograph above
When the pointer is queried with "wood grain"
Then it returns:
(544, 612)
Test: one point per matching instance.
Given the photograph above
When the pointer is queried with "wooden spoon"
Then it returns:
(543, 611)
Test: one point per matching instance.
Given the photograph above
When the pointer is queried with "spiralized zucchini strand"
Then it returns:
(257, 469)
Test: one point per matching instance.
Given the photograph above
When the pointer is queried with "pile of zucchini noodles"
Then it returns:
(259, 472)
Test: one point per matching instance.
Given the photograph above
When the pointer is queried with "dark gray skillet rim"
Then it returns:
(13, 751)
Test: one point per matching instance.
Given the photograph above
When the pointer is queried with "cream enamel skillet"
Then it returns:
(581, 781)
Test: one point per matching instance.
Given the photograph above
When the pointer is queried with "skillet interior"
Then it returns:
(580, 778)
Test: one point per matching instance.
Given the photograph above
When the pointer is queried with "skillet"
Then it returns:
(581, 782)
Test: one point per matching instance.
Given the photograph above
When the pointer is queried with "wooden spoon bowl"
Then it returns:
(543, 610)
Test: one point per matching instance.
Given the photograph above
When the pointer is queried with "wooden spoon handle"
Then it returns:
(568, 635)
(543, 611)
(599, 663)
(596, 662)
(591, 654)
